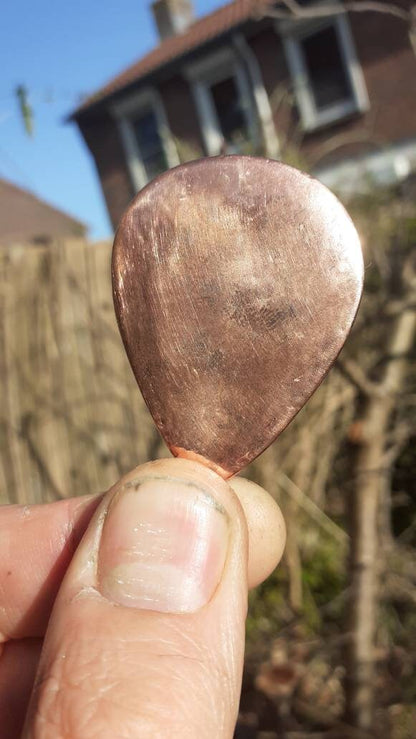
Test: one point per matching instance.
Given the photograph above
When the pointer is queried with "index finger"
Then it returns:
(36, 546)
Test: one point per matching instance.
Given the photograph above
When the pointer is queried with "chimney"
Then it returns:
(172, 16)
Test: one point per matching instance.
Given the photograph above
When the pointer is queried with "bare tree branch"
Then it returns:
(46, 476)
(398, 306)
(356, 375)
(311, 508)
(344, 139)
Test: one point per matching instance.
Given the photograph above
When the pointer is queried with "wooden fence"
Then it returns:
(72, 419)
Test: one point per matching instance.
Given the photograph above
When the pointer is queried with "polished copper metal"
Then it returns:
(236, 280)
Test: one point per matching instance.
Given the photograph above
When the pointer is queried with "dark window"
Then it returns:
(230, 114)
(326, 69)
(150, 144)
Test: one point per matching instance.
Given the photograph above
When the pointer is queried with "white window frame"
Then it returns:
(125, 113)
(201, 75)
(311, 117)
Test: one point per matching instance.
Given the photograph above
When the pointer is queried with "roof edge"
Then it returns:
(239, 12)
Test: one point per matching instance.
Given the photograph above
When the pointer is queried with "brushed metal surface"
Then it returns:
(236, 280)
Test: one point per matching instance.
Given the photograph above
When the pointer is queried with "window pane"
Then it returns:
(150, 144)
(327, 75)
(230, 114)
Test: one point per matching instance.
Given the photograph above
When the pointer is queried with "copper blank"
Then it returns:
(236, 281)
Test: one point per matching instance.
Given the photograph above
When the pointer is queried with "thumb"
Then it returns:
(146, 638)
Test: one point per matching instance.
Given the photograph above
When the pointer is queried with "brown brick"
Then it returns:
(102, 136)
(182, 117)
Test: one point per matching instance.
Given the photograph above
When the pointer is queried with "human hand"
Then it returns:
(139, 630)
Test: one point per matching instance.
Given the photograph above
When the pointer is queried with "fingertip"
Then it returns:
(266, 528)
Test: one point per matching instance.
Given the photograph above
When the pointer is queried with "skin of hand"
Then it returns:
(122, 616)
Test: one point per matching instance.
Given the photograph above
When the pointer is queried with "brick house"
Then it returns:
(340, 89)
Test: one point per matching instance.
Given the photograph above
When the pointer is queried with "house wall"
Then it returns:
(390, 74)
(182, 117)
(268, 49)
(102, 137)
(389, 67)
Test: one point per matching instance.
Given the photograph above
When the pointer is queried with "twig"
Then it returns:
(45, 474)
(311, 508)
(398, 439)
(354, 373)
(340, 140)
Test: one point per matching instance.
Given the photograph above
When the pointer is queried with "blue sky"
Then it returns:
(60, 51)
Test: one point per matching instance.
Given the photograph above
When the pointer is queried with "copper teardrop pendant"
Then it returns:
(236, 281)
